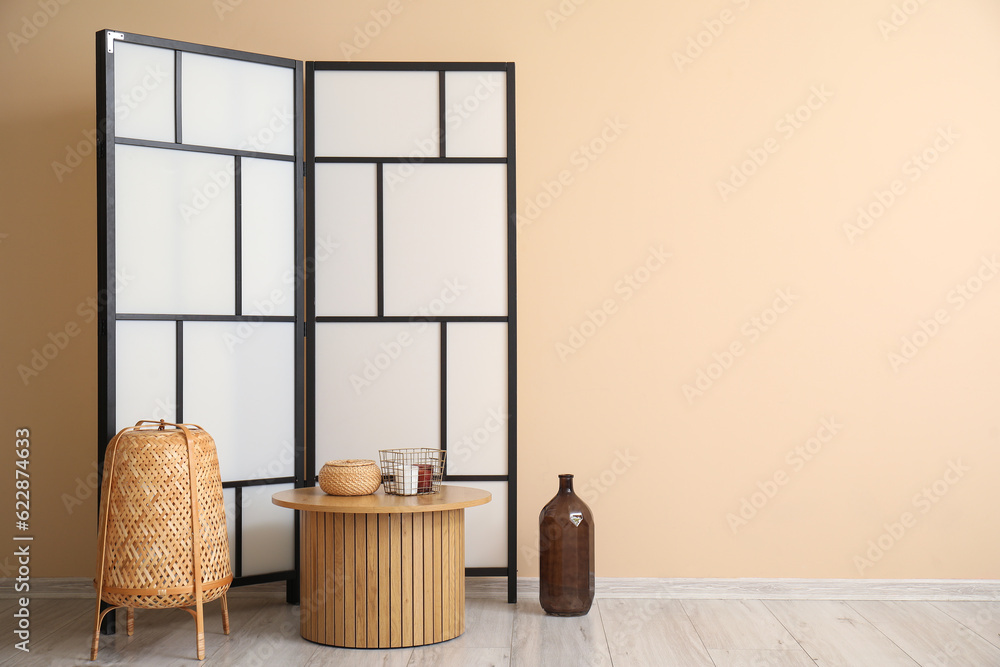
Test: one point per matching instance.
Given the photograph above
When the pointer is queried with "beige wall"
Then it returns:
(665, 472)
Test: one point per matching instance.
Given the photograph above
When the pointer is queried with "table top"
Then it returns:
(314, 499)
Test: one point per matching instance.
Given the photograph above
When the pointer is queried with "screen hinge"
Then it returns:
(112, 36)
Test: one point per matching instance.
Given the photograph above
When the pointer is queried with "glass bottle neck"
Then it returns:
(565, 483)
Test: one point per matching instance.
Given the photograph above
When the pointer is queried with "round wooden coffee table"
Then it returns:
(382, 571)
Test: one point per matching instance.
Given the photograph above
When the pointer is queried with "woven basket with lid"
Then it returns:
(350, 477)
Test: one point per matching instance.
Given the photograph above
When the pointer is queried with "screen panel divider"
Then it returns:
(114, 105)
(382, 159)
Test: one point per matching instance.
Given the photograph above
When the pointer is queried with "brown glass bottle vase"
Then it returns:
(566, 553)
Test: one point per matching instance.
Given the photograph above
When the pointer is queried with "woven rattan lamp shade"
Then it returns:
(153, 551)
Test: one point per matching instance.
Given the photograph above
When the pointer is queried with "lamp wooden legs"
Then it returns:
(98, 617)
(225, 615)
(199, 624)
(197, 613)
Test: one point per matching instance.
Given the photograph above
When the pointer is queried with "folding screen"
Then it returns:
(409, 263)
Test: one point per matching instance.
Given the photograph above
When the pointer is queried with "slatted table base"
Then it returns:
(383, 580)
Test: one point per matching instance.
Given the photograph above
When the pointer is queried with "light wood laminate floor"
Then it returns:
(616, 632)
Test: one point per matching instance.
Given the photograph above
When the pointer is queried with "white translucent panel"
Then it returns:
(377, 387)
(475, 114)
(144, 92)
(237, 104)
(229, 500)
(268, 239)
(346, 240)
(445, 237)
(145, 372)
(486, 527)
(174, 226)
(268, 531)
(239, 384)
(377, 114)
(477, 398)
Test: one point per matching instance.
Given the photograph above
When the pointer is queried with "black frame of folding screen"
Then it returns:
(107, 310)
(510, 571)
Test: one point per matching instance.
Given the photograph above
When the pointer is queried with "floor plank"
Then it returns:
(167, 636)
(555, 641)
(649, 632)
(54, 625)
(927, 634)
(355, 657)
(835, 635)
(268, 637)
(488, 624)
(622, 632)
(983, 618)
(738, 624)
(758, 658)
(446, 655)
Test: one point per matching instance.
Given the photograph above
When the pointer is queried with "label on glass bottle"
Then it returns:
(576, 518)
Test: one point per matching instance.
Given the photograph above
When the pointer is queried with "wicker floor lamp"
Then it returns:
(154, 552)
